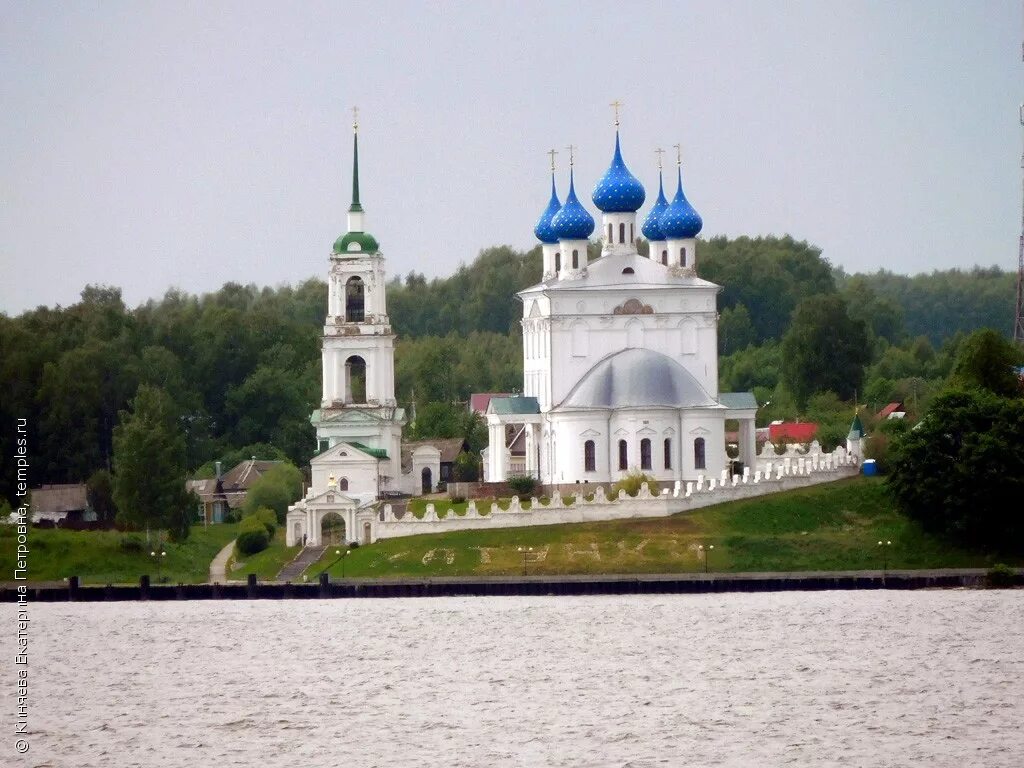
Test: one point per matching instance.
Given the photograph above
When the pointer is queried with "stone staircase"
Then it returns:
(302, 561)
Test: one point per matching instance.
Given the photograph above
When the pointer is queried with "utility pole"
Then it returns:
(1018, 308)
(1018, 317)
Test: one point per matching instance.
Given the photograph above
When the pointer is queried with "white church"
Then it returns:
(620, 354)
(620, 363)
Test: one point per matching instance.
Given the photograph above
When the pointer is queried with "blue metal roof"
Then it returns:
(544, 231)
(572, 222)
(652, 225)
(618, 191)
(680, 219)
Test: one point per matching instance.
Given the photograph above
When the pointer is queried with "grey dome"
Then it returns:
(636, 378)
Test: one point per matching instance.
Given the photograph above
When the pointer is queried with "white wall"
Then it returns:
(581, 511)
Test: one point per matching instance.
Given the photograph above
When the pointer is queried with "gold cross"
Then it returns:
(679, 154)
(571, 149)
(615, 105)
(355, 118)
(552, 153)
(659, 152)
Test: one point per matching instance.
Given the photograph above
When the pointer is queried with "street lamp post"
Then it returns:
(885, 555)
(526, 552)
(159, 562)
(343, 562)
(705, 552)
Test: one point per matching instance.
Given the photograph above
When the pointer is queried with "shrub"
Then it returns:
(1000, 575)
(267, 517)
(631, 484)
(132, 544)
(442, 487)
(353, 545)
(467, 467)
(523, 485)
(279, 486)
(457, 499)
(253, 537)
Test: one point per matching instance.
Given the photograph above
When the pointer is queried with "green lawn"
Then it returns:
(265, 564)
(829, 527)
(99, 557)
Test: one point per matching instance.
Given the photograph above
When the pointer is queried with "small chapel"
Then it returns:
(620, 354)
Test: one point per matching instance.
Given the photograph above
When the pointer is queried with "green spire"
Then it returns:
(856, 428)
(355, 207)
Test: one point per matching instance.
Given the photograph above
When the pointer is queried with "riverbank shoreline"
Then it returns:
(450, 586)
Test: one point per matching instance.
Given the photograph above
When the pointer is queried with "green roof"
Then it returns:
(738, 401)
(512, 405)
(356, 242)
(377, 453)
(856, 428)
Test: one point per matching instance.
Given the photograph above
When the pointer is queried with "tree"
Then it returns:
(149, 465)
(279, 486)
(735, 331)
(960, 471)
(100, 491)
(824, 350)
(989, 361)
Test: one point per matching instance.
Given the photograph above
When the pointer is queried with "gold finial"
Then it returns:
(615, 105)
(572, 156)
(679, 154)
(659, 152)
(552, 152)
(355, 119)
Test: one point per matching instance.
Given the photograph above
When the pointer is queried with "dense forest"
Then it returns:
(242, 365)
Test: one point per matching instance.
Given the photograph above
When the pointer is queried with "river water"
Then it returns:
(803, 679)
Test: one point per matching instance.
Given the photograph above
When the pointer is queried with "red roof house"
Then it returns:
(792, 432)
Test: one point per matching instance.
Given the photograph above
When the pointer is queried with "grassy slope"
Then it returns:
(97, 556)
(265, 564)
(829, 527)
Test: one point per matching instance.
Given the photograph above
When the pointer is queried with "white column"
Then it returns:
(531, 450)
(496, 451)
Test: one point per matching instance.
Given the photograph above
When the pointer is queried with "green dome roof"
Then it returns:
(356, 242)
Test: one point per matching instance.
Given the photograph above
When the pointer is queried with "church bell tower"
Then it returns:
(358, 401)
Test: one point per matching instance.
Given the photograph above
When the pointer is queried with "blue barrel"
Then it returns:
(869, 468)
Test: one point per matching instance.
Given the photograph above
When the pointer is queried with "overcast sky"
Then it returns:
(150, 145)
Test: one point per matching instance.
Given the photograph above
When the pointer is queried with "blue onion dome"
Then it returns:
(619, 191)
(572, 222)
(652, 225)
(680, 220)
(544, 231)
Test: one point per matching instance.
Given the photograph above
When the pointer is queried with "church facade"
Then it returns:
(620, 354)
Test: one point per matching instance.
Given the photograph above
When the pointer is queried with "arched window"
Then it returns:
(664, 257)
(622, 233)
(645, 454)
(668, 453)
(575, 259)
(623, 455)
(355, 379)
(610, 238)
(580, 334)
(354, 303)
(589, 457)
(343, 484)
(682, 256)
(558, 262)
(628, 271)
(634, 334)
(631, 236)
(699, 460)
